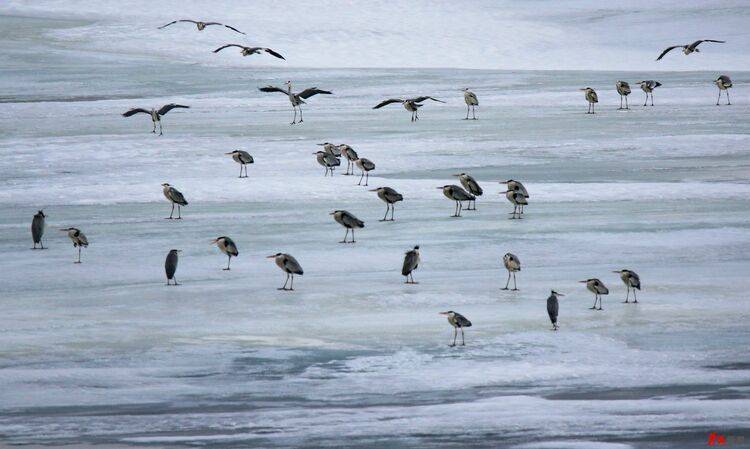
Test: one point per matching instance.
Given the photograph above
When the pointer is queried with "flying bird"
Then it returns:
(513, 265)
(288, 265)
(648, 87)
(471, 186)
(348, 221)
(327, 160)
(37, 229)
(247, 51)
(591, 98)
(723, 83)
(78, 238)
(411, 262)
(458, 321)
(175, 197)
(457, 194)
(471, 103)
(200, 25)
(598, 288)
(156, 115)
(553, 307)
(298, 99)
(243, 158)
(623, 88)
(366, 166)
(410, 104)
(687, 49)
(390, 197)
(226, 246)
(632, 281)
(170, 265)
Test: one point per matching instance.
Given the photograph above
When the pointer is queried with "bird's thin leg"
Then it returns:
(79, 254)
(600, 302)
(635, 298)
(345, 236)
(294, 120)
(728, 97)
(626, 102)
(593, 108)
(515, 287)
(719, 98)
(455, 334)
(179, 212)
(175, 281)
(652, 98)
(393, 210)
(594, 306)
(240, 171)
(360, 178)
(620, 102)
(229, 260)
(416, 114)
(352, 236)
(291, 287)
(171, 213)
(300, 114)
(161, 130)
(385, 217)
(460, 207)
(507, 283)
(367, 178)
(627, 295)
(285, 282)
(645, 102)
(474, 112)
(467, 112)
(412, 116)
(463, 341)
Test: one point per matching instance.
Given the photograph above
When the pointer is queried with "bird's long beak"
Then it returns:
(214, 240)
(443, 313)
(560, 294)
(616, 271)
(507, 191)
(373, 190)
(331, 213)
(583, 282)
(456, 174)
(439, 188)
(229, 152)
(65, 229)
(271, 257)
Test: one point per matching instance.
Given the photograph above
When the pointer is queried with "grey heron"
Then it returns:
(329, 147)
(175, 197)
(37, 229)
(243, 158)
(553, 307)
(296, 99)
(410, 104)
(78, 238)
(518, 200)
(623, 88)
(687, 48)
(226, 246)
(648, 87)
(598, 288)
(390, 197)
(200, 25)
(723, 82)
(170, 265)
(288, 265)
(328, 161)
(247, 51)
(155, 114)
(366, 166)
(513, 265)
(471, 103)
(471, 186)
(458, 321)
(518, 187)
(411, 263)
(457, 194)
(591, 98)
(348, 221)
(632, 281)
(351, 157)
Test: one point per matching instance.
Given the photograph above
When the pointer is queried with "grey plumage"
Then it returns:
(155, 114)
(598, 288)
(623, 88)
(328, 161)
(289, 265)
(458, 321)
(350, 155)
(176, 198)
(37, 229)
(518, 200)
(390, 197)
(366, 166)
(410, 104)
(78, 238)
(349, 221)
(247, 51)
(243, 158)
(648, 87)
(411, 262)
(513, 265)
(472, 186)
(471, 103)
(227, 246)
(632, 281)
(170, 265)
(591, 97)
(553, 307)
(688, 48)
(457, 194)
(723, 82)
(296, 99)
(200, 25)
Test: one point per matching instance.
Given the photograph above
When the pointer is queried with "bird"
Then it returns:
(170, 265)
(327, 160)
(648, 87)
(623, 88)
(200, 25)
(348, 221)
(175, 197)
(410, 104)
(79, 240)
(366, 166)
(688, 48)
(471, 103)
(156, 115)
(288, 265)
(598, 288)
(411, 262)
(226, 246)
(390, 197)
(723, 82)
(471, 186)
(298, 99)
(553, 307)
(457, 194)
(632, 281)
(328, 147)
(518, 200)
(458, 321)
(513, 265)
(518, 187)
(351, 157)
(591, 97)
(247, 51)
(243, 158)
(37, 229)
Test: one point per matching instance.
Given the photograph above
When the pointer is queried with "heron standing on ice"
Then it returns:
(366, 166)
(288, 265)
(410, 104)
(351, 157)
(457, 194)
(327, 160)
(471, 186)
(518, 201)
(632, 281)
(390, 197)
(37, 229)
(411, 262)
(458, 321)
(553, 307)
(78, 238)
(591, 97)
(297, 100)
(328, 147)
(156, 115)
(723, 83)
(648, 87)
(170, 265)
(471, 103)
(226, 246)
(517, 187)
(596, 287)
(175, 197)
(348, 221)
(623, 88)
(513, 265)
(243, 158)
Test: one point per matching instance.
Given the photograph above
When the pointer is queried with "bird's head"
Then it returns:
(288, 83)
(584, 282)
(67, 229)
(216, 240)
(375, 190)
(273, 256)
(165, 184)
(416, 247)
(554, 293)
(619, 271)
(442, 187)
(324, 144)
(176, 251)
(334, 212)
(233, 152)
(41, 212)
(458, 174)
(465, 89)
(449, 313)
(319, 152)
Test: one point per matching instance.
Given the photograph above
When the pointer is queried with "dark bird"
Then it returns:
(410, 104)
(175, 197)
(79, 240)
(631, 281)
(687, 49)
(517, 187)
(155, 115)
(247, 51)
(723, 83)
(366, 166)
(596, 287)
(243, 158)
(411, 262)
(458, 321)
(591, 97)
(288, 265)
(471, 186)
(297, 100)
(623, 88)
(518, 200)
(200, 25)
(37, 229)
(351, 157)
(471, 103)
(170, 265)
(327, 160)
(333, 149)
(390, 197)
(226, 246)
(457, 194)
(648, 87)
(348, 221)
(553, 307)
(513, 265)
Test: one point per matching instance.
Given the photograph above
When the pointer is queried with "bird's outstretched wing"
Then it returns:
(667, 50)
(175, 21)
(226, 46)
(697, 43)
(273, 53)
(272, 89)
(136, 111)
(168, 107)
(387, 102)
(307, 93)
(234, 29)
(421, 99)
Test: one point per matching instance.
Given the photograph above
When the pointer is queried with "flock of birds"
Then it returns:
(330, 158)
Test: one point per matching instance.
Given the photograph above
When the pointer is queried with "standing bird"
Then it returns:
(411, 262)
(688, 48)
(366, 166)
(623, 88)
(513, 265)
(328, 147)
(79, 240)
(297, 100)
(37, 229)
(226, 246)
(518, 201)
(648, 87)
(155, 115)
(631, 281)
(351, 157)
(471, 103)
(596, 287)
(553, 307)
(288, 265)
(591, 97)
(458, 321)
(457, 194)
(243, 158)
(517, 187)
(247, 51)
(175, 197)
(348, 221)
(327, 160)
(410, 104)
(200, 25)
(170, 265)
(471, 186)
(390, 197)
(723, 83)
